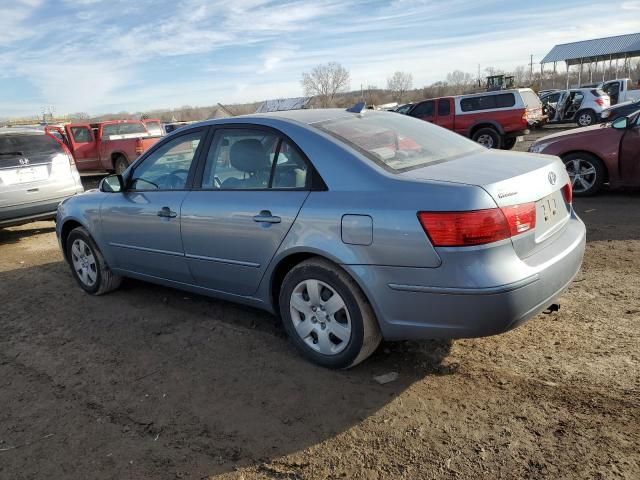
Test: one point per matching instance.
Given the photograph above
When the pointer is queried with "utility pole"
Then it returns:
(479, 76)
(531, 69)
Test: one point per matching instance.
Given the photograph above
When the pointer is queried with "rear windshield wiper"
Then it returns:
(15, 154)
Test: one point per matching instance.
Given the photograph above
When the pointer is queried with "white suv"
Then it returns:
(580, 105)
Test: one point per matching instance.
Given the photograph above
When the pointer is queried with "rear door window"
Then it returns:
(444, 107)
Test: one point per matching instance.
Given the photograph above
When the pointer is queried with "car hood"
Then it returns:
(509, 177)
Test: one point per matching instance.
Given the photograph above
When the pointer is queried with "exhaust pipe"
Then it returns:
(554, 307)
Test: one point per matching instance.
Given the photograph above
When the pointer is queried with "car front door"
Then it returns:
(253, 184)
(445, 113)
(141, 225)
(424, 110)
(629, 158)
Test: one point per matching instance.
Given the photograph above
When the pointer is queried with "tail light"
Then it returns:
(139, 147)
(567, 193)
(599, 101)
(525, 117)
(477, 227)
(68, 154)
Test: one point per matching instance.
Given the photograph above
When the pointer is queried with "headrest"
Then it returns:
(248, 156)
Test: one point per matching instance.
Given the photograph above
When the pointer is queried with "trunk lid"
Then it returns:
(511, 179)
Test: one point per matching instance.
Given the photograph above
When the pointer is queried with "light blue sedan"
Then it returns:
(353, 226)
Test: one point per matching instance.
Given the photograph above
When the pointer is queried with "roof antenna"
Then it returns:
(359, 107)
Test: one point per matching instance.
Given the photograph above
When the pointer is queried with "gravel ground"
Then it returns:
(154, 383)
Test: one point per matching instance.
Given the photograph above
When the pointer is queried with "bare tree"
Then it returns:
(325, 82)
(459, 81)
(399, 84)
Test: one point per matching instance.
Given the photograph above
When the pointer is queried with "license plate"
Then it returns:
(550, 212)
(32, 174)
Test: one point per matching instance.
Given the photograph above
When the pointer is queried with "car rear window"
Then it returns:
(27, 145)
(487, 102)
(530, 99)
(597, 92)
(123, 128)
(397, 142)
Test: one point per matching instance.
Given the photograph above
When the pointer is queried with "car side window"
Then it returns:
(444, 107)
(291, 169)
(424, 109)
(81, 134)
(167, 168)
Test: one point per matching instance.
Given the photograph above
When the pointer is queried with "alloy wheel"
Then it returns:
(585, 120)
(582, 173)
(84, 262)
(320, 317)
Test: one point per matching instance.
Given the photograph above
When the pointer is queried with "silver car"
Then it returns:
(353, 226)
(580, 105)
(36, 174)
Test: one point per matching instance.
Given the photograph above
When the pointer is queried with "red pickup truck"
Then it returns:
(109, 146)
(493, 119)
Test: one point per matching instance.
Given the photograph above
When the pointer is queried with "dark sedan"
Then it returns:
(619, 110)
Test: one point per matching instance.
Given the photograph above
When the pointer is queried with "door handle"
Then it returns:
(166, 212)
(265, 217)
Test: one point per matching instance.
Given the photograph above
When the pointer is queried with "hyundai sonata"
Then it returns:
(354, 226)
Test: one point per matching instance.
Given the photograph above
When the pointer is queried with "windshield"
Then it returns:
(398, 142)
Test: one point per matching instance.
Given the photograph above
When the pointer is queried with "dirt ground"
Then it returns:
(153, 383)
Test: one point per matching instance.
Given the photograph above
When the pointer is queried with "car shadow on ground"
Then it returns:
(15, 234)
(152, 382)
(610, 215)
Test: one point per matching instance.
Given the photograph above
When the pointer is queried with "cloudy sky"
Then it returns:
(101, 56)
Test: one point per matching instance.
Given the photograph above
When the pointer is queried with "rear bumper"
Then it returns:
(29, 212)
(474, 293)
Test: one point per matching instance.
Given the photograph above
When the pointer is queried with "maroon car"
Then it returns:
(605, 153)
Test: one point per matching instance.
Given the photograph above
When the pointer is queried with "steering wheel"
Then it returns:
(174, 179)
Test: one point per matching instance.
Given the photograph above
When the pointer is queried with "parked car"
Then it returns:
(350, 239)
(578, 105)
(36, 174)
(493, 119)
(620, 90)
(170, 127)
(606, 153)
(619, 110)
(105, 146)
(403, 108)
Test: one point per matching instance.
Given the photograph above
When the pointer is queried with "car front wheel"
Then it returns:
(586, 172)
(88, 265)
(326, 315)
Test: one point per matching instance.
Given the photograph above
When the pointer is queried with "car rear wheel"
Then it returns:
(88, 265)
(586, 118)
(326, 315)
(120, 164)
(488, 137)
(586, 172)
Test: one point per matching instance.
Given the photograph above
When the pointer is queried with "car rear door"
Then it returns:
(629, 158)
(253, 184)
(141, 225)
(445, 113)
(83, 146)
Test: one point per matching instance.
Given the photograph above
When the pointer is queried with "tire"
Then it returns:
(120, 164)
(509, 143)
(586, 118)
(592, 173)
(87, 264)
(488, 137)
(354, 322)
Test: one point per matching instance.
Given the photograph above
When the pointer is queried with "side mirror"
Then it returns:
(111, 184)
(621, 123)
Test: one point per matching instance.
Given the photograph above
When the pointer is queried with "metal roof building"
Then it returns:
(608, 49)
